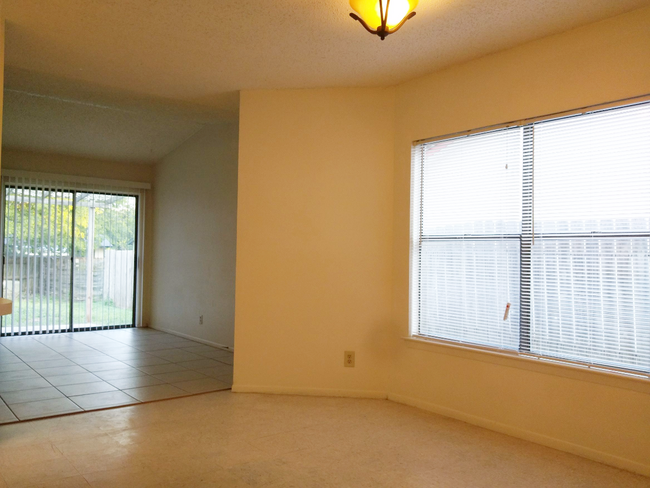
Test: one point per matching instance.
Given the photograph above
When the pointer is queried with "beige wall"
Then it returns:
(314, 240)
(2, 71)
(323, 243)
(195, 223)
(601, 62)
(76, 166)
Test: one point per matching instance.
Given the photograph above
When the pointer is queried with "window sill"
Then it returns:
(593, 374)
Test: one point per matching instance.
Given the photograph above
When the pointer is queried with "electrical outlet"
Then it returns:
(348, 359)
(200, 319)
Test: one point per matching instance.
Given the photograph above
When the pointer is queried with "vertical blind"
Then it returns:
(69, 254)
(537, 238)
(37, 232)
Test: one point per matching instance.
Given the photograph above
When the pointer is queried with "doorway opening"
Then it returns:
(69, 258)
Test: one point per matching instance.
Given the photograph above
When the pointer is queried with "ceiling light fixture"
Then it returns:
(383, 17)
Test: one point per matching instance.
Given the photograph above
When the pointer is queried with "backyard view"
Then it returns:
(66, 247)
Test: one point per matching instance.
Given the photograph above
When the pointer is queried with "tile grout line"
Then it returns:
(113, 407)
(152, 353)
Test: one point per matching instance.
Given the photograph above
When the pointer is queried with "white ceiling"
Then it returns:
(184, 60)
(51, 115)
(56, 125)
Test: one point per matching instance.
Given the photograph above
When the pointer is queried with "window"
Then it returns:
(536, 238)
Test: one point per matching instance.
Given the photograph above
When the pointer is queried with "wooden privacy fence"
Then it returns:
(30, 275)
(112, 278)
(118, 277)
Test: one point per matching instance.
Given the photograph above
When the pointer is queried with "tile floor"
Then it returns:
(233, 440)
(48, 375)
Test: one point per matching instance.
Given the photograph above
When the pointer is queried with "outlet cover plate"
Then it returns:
(348, 359)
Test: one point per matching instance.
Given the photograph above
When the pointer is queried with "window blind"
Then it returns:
(69, 253)
(590, 266)
(549, 220)
(469, 247)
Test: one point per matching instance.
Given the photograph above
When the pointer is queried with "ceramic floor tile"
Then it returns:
(226, 360)
(177, 376)
(146, 361)
(112, 351)
(9, 358)
(216, 354)
(86, 388)
(162, 368)
(23, 396)
(201, 385)
(94, 358)
(6, 415)
(103, 400)
(40, 373)
(29, 358)
(16, 366)
(73, 379)
(154, 347)
(107, 366)
(135, 382)
(62, 370)
(44, 408)
(118, 374)
(157, 392)
(202, 348)
(53, 363)
(221, 370)
(225, 379)
(22, 374)
(176, 355)
(28, 384)
(200, 363)
(180, 344)
(127, 356)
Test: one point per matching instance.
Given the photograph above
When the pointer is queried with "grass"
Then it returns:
(103, 313)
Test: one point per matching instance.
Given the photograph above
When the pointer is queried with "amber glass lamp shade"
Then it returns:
(383, 17)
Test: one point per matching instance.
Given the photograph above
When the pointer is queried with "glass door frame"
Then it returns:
(74, 192)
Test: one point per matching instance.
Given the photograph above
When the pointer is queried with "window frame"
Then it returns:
(527, 238)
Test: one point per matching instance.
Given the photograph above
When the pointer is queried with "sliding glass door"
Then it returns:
(69, 259)
(104, 260)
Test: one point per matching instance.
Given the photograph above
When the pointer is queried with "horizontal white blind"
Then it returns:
(590, 265)
(592, 173)
(468, 244)
(472, 185)
(552, 218)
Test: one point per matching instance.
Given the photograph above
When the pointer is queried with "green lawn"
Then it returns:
(103, 313)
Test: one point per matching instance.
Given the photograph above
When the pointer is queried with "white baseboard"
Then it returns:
(192, 338)
(324, 392)
(559, 444)
(586, 452)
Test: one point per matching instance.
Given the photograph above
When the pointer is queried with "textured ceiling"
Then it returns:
(55, 125)
(192, 56)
